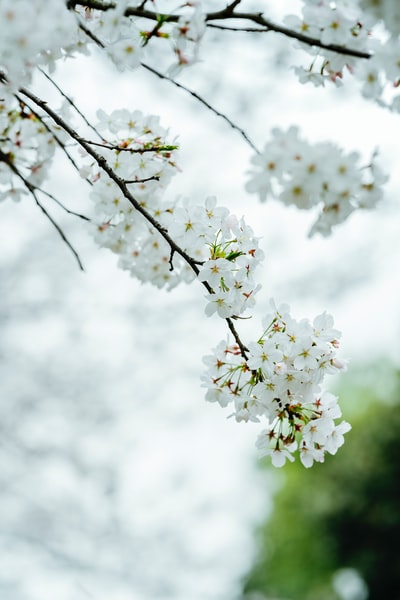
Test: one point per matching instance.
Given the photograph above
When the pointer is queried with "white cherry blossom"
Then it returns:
(278, 380)
(319, 175)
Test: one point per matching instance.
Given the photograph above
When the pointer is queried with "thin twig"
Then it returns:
(91, 35)
(107, 146)
(58, 228)
(61, 205)
(56, 139)
(70, 102)
(245, 29)
(243, 349)
(205, 103)
(32, 189)
(152, 178)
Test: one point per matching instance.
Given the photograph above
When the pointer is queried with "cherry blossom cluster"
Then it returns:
(223, 248)
(347, 24)
(39, 33)
(339, 23)
(125, 39)
(27, 146)
(118, 34)
(387, 11)
(132, 159)
(32, 34)
(187, 35)
(136, 148)
(226, 247)
(309, 176)
(278, 380)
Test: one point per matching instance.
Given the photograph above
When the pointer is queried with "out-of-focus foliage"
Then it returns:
(343, 514)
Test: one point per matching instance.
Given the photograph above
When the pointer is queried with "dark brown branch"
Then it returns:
(310, 41)
(243, 349)
(244, 29)
(152, 178)
(231, 7)
(205, 103)
(94, 4)
(225, 14)
(91, 35)
(103, 164)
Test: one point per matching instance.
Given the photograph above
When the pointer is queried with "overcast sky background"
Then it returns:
(117, 479)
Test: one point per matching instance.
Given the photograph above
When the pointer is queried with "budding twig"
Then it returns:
(121, 148)
(70, 102)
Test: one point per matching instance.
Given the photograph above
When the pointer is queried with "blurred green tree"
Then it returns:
(343, 514)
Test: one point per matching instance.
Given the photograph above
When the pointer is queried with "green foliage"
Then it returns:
(343, 513)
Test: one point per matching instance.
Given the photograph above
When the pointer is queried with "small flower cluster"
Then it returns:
(125, 40)
(118, 34)
(349, 25)
(34, 33)
(145, 162)
(27, 148)
(228, 250)
(187, 35)
(41, 32)
(339, 24)
(278, 379)
(223, 247)
(234, 255)
(307, 176)
(138, 153)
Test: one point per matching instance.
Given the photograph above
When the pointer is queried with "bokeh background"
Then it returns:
(117, 479)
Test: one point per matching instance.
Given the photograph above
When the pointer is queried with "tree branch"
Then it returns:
(122, 185)
(104, 166)
(310, 41)
(61, 205)
(185, 89)
(32, 190)
(225, 14)
(205, 103)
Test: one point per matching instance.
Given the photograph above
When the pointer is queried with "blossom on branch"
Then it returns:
(279, 382)
(347, 25)
(276, 379)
